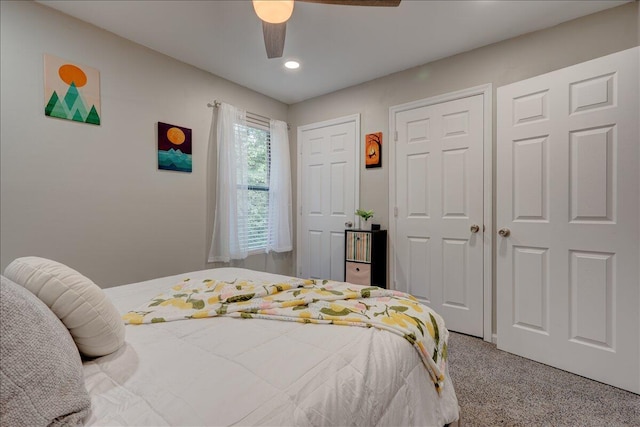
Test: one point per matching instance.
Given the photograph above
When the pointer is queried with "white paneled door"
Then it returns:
(567, 213)
(439, 209)
(327, 194)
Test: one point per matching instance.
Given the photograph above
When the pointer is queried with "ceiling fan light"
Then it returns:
(273, 11)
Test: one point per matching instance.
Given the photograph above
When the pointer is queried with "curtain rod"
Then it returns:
(217, 103)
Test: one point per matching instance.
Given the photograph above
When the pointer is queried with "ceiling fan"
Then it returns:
(275, 13)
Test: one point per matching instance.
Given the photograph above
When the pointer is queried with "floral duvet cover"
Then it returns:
(306, 301)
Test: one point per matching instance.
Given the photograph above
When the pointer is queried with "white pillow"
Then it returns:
(92, 320)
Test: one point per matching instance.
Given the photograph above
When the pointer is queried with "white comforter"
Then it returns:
(229, 371)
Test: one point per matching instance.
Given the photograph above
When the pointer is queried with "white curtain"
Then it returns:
(279, 217)
(230, 223)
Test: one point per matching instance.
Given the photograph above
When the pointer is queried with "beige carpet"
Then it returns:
(496, 388)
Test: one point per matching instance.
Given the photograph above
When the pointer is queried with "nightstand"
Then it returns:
(366, 257)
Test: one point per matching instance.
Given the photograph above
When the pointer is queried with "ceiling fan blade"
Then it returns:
(274, 38)
(382, 3)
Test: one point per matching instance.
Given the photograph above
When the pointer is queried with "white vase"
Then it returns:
(365, 225)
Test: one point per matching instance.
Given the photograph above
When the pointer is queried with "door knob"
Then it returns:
(504, 232)
(348, 224)
(475, 228)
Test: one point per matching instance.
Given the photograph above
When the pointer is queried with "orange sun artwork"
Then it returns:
(175, 136)
(71, 91)
(373, 150)
(69, 73)
(174, 148)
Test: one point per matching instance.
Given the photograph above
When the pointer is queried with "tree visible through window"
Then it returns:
(258, 159)
(253, 186)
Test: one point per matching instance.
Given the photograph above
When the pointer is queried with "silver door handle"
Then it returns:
(348, 224)
(504, 232)
(475, 228)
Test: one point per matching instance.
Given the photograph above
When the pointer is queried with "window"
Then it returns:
(258, 151)
(253, 186)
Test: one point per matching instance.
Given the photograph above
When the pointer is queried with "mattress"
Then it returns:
(232, 371)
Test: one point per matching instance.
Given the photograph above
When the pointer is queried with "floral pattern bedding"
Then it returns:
(306, 301)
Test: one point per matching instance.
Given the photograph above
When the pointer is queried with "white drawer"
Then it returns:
(358, 274)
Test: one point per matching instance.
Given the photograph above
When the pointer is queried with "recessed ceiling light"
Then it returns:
(292, 65)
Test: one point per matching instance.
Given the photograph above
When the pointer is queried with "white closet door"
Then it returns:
(439, 199)
(328, 190)
(568, 191)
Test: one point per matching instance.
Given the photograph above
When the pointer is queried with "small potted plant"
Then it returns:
(365, 215)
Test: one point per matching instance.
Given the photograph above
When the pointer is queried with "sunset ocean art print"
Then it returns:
(174, 148)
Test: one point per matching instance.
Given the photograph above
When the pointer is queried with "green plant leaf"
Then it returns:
(330, 312)
(436, 332)
(411, 338)
(364, 214)
(239, 298)
(197, 304)
(399, 308)
(366, 292)
(418, 324)
(158, 320)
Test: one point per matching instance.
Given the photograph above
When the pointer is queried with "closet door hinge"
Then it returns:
(395, 135)
(395, 212)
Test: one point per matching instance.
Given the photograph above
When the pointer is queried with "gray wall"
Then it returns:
(502, 63)
(91, 196)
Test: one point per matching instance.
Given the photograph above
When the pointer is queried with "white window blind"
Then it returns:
(258, 154)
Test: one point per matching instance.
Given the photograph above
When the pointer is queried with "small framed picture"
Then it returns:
(373, 150)
(71, 91)
(174, 148)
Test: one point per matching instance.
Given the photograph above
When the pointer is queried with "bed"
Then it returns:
(235, 371)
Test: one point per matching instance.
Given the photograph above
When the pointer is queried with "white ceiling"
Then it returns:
(337, 46)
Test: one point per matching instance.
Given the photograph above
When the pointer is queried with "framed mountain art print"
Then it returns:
(71, 91)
